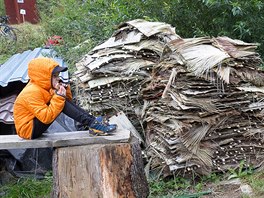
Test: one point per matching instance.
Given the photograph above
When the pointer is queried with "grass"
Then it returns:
(175, 187)
(28, 188)
(170, 187)
(181, 187)
(29, 37)
(186, 188)
(256, 181)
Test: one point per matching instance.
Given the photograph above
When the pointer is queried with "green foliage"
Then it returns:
(92, 22)
(95, 21)
(82, 21)
(28, 188)
(241, 171)
(256, 181)
(28, 37)
(213, 177)
(2, 8)
(176, 186)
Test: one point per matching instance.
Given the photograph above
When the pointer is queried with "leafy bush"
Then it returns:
(77, 21)
(93, 22)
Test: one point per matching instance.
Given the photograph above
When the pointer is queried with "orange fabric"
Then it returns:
(37, 99)
(69, 93)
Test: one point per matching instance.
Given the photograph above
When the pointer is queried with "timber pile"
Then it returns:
(208, 115)
(199, 98)
(110, 76)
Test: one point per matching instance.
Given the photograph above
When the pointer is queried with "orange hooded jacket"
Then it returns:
(38, 99)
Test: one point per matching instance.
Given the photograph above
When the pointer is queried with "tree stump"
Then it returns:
(99, 170)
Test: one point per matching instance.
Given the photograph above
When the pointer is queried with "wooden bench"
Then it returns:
(91, 166)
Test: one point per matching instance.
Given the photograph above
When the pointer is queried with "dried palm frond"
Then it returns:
(177, 45)
(151, 44)
(193, 137)
(204, 157)
(235, 48)
(107, 52)
(171, 81)
(211, 117)
(131, 37)
(251, 89)
(98, 62)
(224, 73)
(152, 28)
(202, 58)
(249, 75)
(104, 81)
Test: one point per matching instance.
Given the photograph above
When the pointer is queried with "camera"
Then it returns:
(65, 85)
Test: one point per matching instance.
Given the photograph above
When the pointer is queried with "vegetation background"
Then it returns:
(94, 21)
(86, 23)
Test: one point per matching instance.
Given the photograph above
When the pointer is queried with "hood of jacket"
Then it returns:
(40, 71)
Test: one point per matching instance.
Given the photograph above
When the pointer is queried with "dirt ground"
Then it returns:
(230, 189)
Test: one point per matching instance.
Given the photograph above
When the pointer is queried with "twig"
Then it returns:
(172, 78)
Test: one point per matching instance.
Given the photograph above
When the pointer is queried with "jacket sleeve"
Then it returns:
(69, 93)
(45, 113)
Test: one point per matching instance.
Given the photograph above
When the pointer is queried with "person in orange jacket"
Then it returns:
(45, 97)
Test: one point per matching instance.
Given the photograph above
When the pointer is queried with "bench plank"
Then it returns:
(63, 139)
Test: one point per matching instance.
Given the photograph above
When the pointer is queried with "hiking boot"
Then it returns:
(100, 128)
(104, 121)
(101, 119)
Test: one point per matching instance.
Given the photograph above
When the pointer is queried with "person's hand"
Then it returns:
(61, 91)
(57, 86)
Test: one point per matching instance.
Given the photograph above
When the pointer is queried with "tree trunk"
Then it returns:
(99, 170)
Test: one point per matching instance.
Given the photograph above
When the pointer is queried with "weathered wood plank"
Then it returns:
(103, 171)
(62, 139)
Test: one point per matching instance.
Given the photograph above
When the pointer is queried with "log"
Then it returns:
(103, 171)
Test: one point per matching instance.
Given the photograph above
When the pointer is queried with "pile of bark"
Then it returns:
(204, 108)
(200, 100)
(109, 78)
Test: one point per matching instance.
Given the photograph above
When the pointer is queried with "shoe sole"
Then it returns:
(97, 132)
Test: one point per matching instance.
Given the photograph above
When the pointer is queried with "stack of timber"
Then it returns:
(109, 78)
(204, 107)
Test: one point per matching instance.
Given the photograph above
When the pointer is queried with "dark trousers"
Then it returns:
(70, 109)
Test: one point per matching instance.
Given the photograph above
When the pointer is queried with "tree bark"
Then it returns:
(107, 171)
